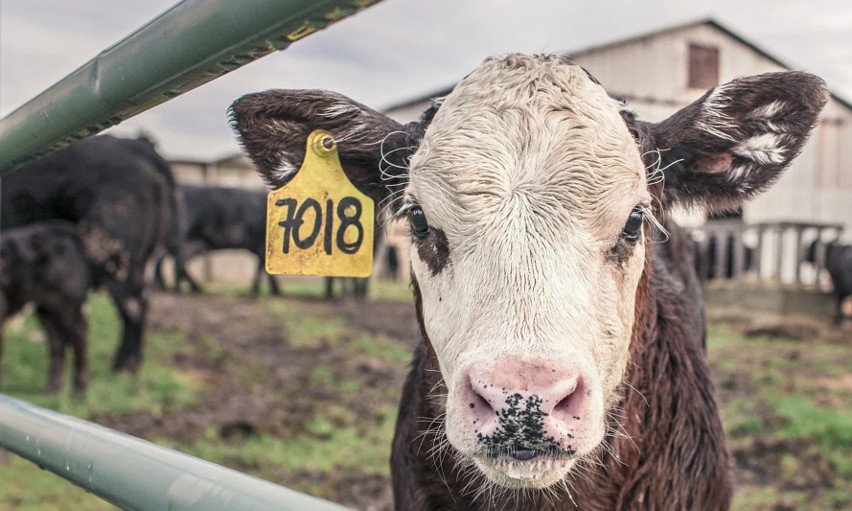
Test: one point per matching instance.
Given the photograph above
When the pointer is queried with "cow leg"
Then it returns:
(844, 309)
(258, 273)
(77, 333)
(55, 348)
(273, 285)
(181, 274)
(329, 288)
(132, 306)
(2, 323)
(193, 285)
(159, 281)
(361, 287)
(187, 252)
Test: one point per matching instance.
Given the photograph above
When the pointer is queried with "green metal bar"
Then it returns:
(190, 44)
(134, 474)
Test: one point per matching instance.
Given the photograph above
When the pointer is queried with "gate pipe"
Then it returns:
(134, 474)
(191, 43)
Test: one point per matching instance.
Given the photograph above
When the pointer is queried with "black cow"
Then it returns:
(44, 264)
(838, 262)
(119, 192)
(220, 218)
(706, 258)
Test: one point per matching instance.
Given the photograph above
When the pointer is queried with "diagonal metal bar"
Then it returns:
(134, 474)
(190, 44)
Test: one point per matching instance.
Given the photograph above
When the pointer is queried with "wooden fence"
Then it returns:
(772, 253)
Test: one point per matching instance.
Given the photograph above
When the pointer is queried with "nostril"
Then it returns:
(571, 402)
(477, 405)
(564, 404)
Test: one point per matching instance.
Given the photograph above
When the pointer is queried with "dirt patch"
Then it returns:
(257, 382)
(799, 332)
(778, 326)
(787, 464)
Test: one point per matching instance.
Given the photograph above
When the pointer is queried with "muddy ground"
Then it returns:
(230, 333)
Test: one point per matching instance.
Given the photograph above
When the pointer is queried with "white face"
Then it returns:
(527, 176)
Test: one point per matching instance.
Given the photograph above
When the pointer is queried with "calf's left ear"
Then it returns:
(734, 141)
(273, 127)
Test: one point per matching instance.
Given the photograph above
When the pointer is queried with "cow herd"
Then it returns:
(94, 215)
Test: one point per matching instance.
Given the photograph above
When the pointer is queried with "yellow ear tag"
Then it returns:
(319, 223)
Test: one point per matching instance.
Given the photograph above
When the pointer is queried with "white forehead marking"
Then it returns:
(534, 130)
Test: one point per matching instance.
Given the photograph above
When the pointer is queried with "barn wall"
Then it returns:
(233, 175)
(652, 71)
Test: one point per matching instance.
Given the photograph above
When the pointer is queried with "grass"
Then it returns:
(305, 329)
(380, 290)
(787, 393)
(379, 347)
(828, 428)
(322, 448)
(25, 487)
(337, 440)
(158, 388)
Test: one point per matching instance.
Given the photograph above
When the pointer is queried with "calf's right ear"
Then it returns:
(273, 127)
(735, 141)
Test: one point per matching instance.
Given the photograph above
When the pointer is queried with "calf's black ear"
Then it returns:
(273, 127)
(734, 141)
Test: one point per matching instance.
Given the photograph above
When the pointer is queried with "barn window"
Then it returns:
(703, 67)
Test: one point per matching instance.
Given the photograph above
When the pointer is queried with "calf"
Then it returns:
(562, 364)
(44, 264)
(219, 218)
(118, 192)
(838, 262)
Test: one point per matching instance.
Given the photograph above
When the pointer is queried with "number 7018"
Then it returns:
(348, 215)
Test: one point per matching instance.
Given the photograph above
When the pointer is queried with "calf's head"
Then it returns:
(531, 195)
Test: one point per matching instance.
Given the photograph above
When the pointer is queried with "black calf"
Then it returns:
(44, 264)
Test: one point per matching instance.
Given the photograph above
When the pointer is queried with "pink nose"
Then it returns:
(525, 409)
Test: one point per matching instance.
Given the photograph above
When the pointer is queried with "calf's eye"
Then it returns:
(633, 227)
(419, 225)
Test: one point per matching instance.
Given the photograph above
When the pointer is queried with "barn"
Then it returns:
(659, 72)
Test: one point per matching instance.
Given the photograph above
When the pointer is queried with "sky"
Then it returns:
(396, 50)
